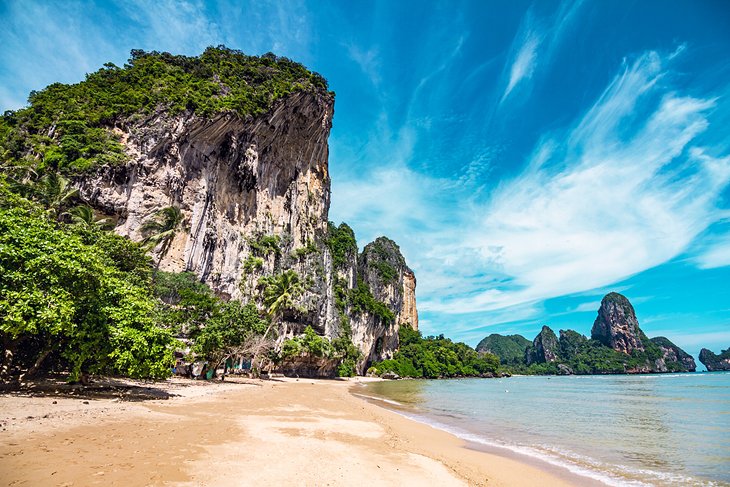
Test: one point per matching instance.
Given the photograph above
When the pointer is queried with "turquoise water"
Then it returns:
(671, 429)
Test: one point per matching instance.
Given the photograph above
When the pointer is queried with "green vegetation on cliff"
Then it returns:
(68, 127)
(436, 357)
(715, 362)
(361, 300)
(384, 256)
(509, 348)
(342, 244)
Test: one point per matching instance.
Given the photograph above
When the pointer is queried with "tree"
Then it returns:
(161, 229)
(280, 293)
(62, 295)
(83, 215)
(234, 329)
(54, 192)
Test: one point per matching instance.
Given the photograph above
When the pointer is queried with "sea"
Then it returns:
(619, 430)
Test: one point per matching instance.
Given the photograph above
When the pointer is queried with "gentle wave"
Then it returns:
(380, 399)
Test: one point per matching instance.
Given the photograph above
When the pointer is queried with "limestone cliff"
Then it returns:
(673, 357)
(617, 346)
(382, 268)
(715, 362)
(544, 347)
(616, 325)
(255, 194)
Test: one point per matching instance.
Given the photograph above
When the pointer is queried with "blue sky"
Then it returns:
(527, 156)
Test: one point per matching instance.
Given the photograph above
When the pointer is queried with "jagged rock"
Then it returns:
(715, 362)
(382, 268)
(616, 325)
(544, 347)
(390, 375)
(564, 370)
(672, 354)
(308, 366)
(571, 343)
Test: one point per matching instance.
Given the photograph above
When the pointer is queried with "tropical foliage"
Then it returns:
(160, 229)
(510, 348)
(66, 293)
(587, 356)
(342, 244)
(435, 357)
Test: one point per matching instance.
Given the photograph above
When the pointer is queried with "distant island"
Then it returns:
(715, 362)
(617, 346)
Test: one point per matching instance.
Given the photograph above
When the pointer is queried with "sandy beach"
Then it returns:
(301, 432)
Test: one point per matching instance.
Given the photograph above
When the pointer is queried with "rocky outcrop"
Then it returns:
(618, 346)
(409, 312)
(616, 325)
(673, 357)
(715, 362)
(383, 270)
(544, 347)
(255, 193)
(308, 366)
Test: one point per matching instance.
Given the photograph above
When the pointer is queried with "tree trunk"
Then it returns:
(37, 365)
(9, 348)
(256, 354)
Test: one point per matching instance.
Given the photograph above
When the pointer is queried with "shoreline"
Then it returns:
(311, 431)
(473, 442)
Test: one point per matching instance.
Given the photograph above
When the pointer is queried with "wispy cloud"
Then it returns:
(168, 25)
(536, 42)
(524, 62)
(606, 204)
(626, 187)
(714, 252)
(46, 42)
(368, 60)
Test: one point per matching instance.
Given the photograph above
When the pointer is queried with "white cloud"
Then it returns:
(368, 60)
(714, 253)
(180, 27)
(591, 306)
(627, 188)
(607, 204)
(524, 63)
(43, 43)
(535, 38)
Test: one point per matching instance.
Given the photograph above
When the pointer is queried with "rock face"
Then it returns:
(673, 356)
(233, 179)
(715, 362)
(383, 269)
(616, 325)
(255, 197)
(544, 347)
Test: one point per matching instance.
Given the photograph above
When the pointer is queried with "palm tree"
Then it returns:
(55, 192)
(161, 229)
(83, 216)
(280, 294)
